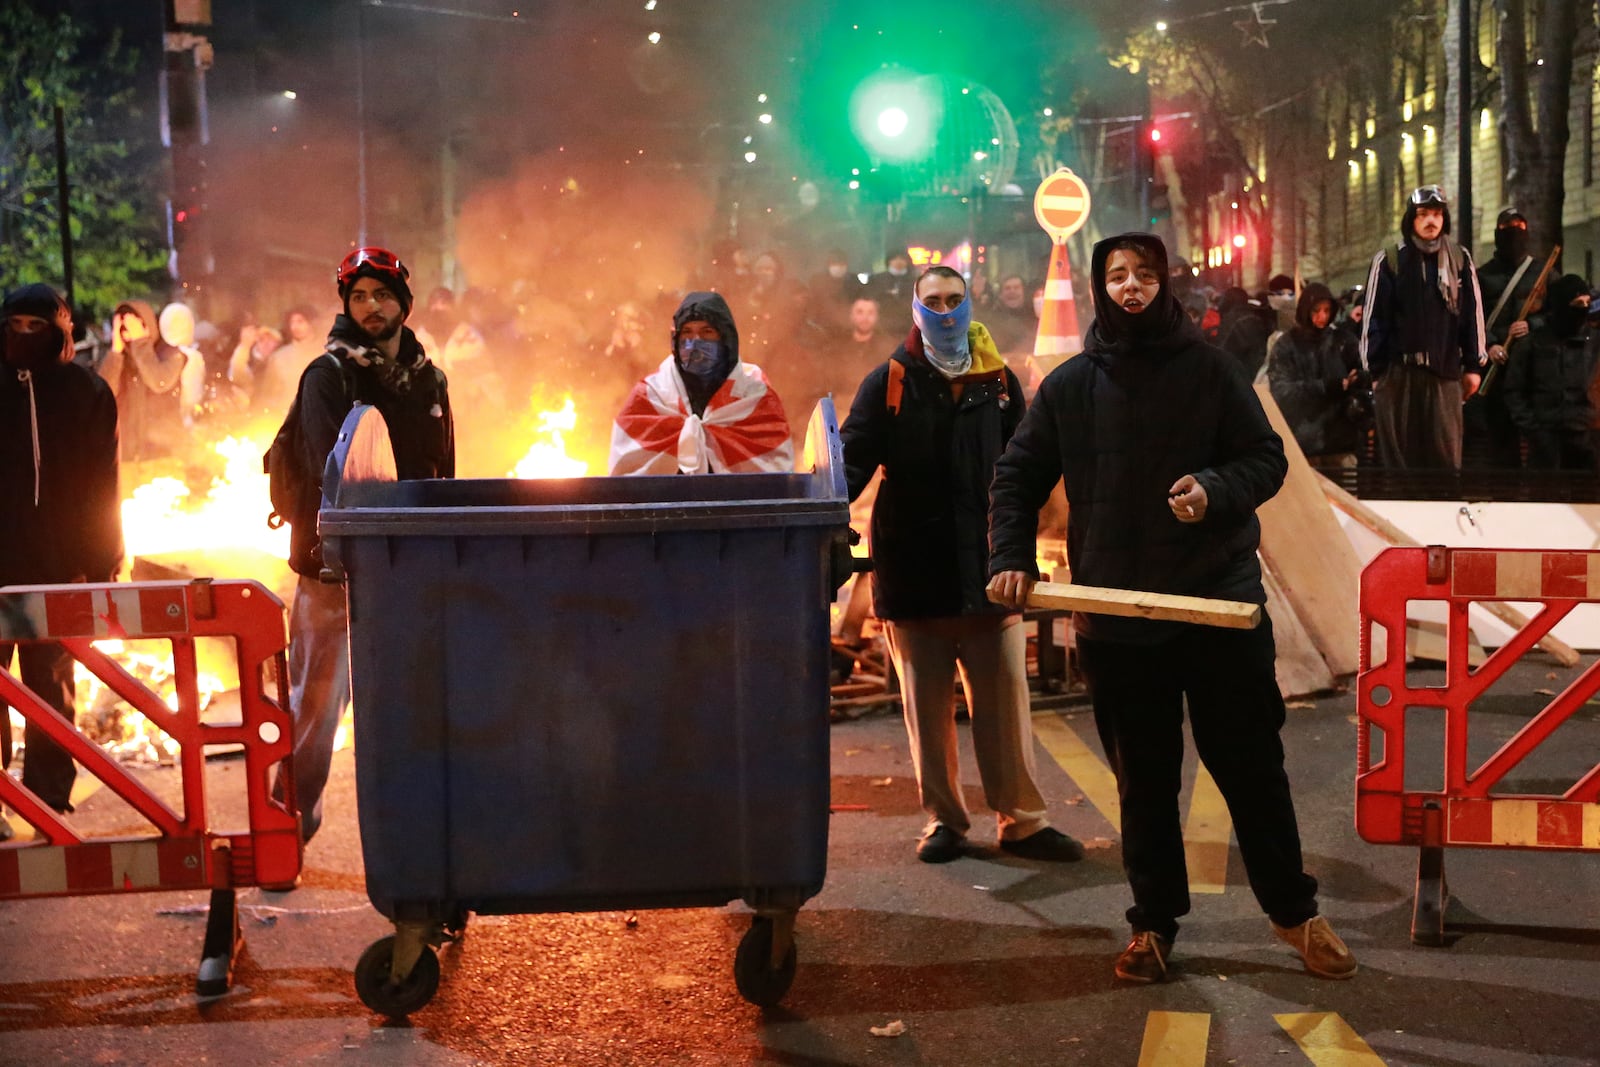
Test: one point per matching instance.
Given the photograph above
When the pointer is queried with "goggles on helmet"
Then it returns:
(1428, 195)
(379, 259)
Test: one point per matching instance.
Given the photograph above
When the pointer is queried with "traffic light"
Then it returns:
(1160, 204)
(892, 114)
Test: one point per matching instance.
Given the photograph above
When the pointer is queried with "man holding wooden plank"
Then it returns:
(1166, 454)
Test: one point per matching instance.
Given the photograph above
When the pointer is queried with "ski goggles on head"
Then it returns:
(1428, 195)
(379, 259)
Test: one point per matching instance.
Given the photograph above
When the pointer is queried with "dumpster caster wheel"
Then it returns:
(759, 982)
(377, 989)
(455, 923)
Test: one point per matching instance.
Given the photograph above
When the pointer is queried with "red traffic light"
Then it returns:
(1155, 134)
(181, 216)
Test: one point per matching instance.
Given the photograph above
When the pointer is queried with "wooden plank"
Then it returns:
(1138, 603)
(1299, 665)
(1563, 652)
(1317, 568)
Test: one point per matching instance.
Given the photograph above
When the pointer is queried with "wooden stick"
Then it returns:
(1563, 652)
(1145, 605)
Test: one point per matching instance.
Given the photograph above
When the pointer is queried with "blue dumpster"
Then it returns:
(587, 694)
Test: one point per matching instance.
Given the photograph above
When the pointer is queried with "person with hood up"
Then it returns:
(144, 377)
(1422, 338)
(1547, 381)
(1505, 281)
(1314, 373)
(371, 357)
(702, 411)
(934, 418)
(60, 499)
(1243, 331)
(1166, 454)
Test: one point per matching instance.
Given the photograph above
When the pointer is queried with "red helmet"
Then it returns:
(377, 263)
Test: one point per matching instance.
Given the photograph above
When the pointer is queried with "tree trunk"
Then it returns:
(1455, 98)
(1533, 116)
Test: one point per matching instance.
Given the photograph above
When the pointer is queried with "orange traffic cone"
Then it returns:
(1058, 339)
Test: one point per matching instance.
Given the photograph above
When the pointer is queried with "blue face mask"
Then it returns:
(699, 357)
(944, 336)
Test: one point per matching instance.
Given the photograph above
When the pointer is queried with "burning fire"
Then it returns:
(547, 457)
(159, 517)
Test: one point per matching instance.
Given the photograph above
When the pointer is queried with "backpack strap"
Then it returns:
(897, 386)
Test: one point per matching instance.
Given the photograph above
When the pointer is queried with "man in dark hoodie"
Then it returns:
(703, 410)
(60, 499)
(1314, 373)
(371, 357)
(1505, 282)
(935, 417)
(1166, 454)
(1243, 331)
(1422, 337)
(1546, 386)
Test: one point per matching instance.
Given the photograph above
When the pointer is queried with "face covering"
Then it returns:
(836, 270)
(699, 357)
(32, 351)
(1038, 307)
(1511, 243)
(944, 336)
(898, 272)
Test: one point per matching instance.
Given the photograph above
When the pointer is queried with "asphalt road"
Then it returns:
(987, 960)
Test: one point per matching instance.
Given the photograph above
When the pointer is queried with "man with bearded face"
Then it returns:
(60, 502)
(935, 417)
(1166, 454)
(1422, 338)
(371, 357)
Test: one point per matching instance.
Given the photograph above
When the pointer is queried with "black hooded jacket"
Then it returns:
(707, 307)
(1407, 314)
(63, 518)
(1147, 402)
(421, 427)
(1547, 377)
(1306, 373)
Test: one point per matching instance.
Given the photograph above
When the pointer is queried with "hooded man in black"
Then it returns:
(1546, 386)
(1505, 282)
(1422, 338)
(1315, 376)
(1166, 453)
(60, 500)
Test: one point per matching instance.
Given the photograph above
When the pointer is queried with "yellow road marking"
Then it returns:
(1175, 1039)
(1085, 768)
(1205, 836)
(1327, 1040)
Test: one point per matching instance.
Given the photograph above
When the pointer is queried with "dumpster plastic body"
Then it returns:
(591, 693)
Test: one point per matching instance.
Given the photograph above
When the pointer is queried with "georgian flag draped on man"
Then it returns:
(702, 411)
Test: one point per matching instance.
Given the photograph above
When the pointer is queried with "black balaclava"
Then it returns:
(1565, 320)
(1161, 324)
(1511, 242)
(48, 347)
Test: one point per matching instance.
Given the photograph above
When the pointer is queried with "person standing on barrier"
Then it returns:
(371, 357)
(935, 417)
(60, 501)
(1166, 454)
(1422, 338)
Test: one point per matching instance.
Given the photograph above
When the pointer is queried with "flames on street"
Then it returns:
(171, 530)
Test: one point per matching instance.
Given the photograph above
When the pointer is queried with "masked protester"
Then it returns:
(144, 374)
(934, 418)
(1547, 381)
(60, 499)
(703, 410)
(1314, 373)
(371, 357)
(1166, 454)
(1490, 436)
(1422, 338)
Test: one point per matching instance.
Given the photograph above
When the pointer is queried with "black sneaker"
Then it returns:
(940, 845)
(1145, 958)
(1048, 844)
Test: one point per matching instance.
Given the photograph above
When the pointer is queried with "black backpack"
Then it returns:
(289, 484)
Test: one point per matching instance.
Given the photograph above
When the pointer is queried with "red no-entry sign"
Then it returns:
(1062, 204)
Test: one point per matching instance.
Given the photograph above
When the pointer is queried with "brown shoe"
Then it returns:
(1145, 958)
(1325, 955)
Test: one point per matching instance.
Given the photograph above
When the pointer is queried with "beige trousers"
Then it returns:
(990, 651)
